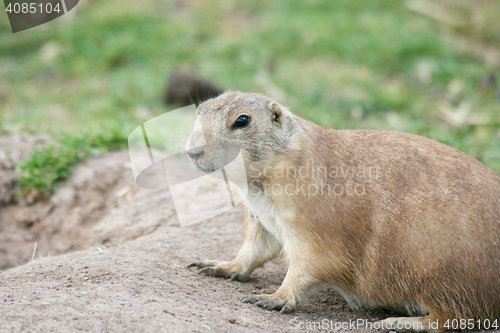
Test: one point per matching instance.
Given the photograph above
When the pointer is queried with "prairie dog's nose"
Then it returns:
(196, 152)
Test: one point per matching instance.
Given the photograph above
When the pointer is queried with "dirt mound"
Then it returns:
(63, 222)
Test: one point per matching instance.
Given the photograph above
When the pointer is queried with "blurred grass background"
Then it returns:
(428, 67)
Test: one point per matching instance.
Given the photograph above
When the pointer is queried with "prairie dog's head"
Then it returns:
(253, 123)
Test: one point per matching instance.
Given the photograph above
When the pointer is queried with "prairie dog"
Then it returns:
(388, 219)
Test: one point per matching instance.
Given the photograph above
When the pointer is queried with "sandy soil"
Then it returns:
(124, 265)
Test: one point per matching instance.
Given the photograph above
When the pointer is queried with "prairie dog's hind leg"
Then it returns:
(298, 281)
(259, 246)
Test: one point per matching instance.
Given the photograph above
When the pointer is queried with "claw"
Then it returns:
(287, 308)
(249, 299)
(208, 271)
(219, 268)
(238, 276)
(270, 302)
(264, 305)
(199, 264)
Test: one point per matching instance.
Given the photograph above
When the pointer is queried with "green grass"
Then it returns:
(44, 167)
(344, 64)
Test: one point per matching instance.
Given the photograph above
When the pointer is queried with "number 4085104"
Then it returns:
(32, 8)
(463, 324)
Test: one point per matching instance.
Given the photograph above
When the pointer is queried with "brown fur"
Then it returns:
(423, 237)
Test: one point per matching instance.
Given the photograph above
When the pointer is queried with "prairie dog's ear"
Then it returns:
(275, 113)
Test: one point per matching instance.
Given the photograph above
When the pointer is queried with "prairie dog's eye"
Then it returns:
(241, 121)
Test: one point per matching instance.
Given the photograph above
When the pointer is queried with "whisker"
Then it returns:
(197, 96)
(189, 96)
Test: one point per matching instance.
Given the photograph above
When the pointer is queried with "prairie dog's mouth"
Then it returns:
(202, 165)
(200, 161)
(217, 157)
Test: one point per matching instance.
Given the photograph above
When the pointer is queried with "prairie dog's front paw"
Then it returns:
(271, 302)
(220, 268)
